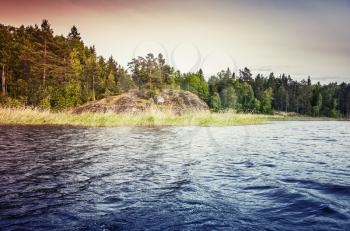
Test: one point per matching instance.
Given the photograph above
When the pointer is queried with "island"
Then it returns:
(58, 80)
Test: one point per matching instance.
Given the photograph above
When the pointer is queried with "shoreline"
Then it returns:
(28, 116)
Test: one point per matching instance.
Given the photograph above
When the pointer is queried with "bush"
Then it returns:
(45, 103)
(10, 102)
(215, 102)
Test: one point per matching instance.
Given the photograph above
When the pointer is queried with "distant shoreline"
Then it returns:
(28, 116)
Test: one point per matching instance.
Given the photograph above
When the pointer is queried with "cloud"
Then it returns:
(283, 36)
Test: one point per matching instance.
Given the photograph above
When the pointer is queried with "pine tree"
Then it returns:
(74, 34)
(47, 34)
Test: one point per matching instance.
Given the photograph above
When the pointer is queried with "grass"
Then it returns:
(301, 118)
(29, 116)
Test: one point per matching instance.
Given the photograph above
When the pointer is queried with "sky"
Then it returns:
(297, 37)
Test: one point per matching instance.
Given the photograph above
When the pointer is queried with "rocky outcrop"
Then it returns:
(176, 101)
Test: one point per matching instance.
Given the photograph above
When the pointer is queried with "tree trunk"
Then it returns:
(45, 54)
(347, 102)
(65, 69)
(93, 87)
(297, 105)
(3, 80)
(150, 79)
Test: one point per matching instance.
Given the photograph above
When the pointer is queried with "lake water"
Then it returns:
(279, 176)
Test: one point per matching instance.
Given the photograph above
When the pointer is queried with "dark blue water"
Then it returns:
(281, 176)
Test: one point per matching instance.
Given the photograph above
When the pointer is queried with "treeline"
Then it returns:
(47, 71)
(58, 72)
(261, 94)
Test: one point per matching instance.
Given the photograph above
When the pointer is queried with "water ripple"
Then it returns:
(281, 176)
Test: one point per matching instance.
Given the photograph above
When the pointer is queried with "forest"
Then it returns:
(56, 72)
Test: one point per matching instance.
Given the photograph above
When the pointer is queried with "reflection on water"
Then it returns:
(281, 176)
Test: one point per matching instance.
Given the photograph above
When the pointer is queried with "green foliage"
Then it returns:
(257, 106)
(246, 99)
(151, 73)
(56, 72)
(281, 93)
(228, 98)
(281, 99)
(123, 81)
(215, 102)
(266, 101)
(45, 103)
(317, 104)
(10, 102)
(245, 75)
(110, 85)
(67, 97)
(75, 63)
(196, 84)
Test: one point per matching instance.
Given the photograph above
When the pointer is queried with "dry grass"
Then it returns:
(29, 116)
